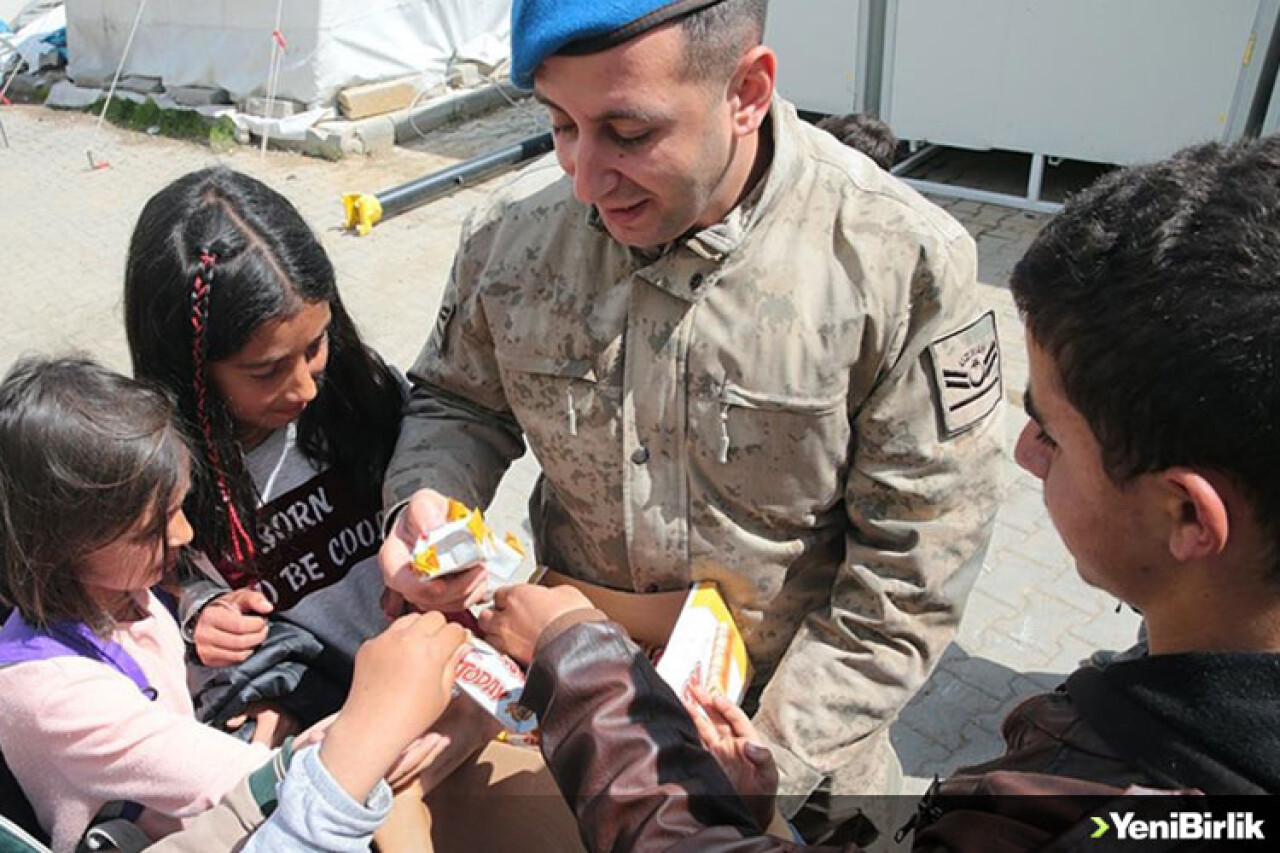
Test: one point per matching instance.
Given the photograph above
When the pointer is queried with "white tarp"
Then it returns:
(331, 44)
(9, 10)
(28, 42)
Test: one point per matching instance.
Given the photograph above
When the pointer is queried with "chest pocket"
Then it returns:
(783, 453)
(562, 403)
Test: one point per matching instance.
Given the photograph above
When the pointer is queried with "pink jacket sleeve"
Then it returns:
(78, 734)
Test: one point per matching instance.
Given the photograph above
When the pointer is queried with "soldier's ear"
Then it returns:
(751, 89)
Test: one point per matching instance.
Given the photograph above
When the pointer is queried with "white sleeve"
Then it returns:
(315, 814)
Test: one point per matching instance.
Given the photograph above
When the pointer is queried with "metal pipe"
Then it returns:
(876, 12)
(1266, 85)
(364, 210)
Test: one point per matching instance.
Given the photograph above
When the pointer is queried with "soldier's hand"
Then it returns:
(729, 735)
(426, 511)
(520, 613)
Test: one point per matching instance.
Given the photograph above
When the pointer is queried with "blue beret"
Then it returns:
(541, 28)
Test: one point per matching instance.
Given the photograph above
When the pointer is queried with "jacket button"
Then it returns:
(696, 281)
(640, 456)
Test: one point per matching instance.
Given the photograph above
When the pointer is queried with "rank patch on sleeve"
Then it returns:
(966, 365)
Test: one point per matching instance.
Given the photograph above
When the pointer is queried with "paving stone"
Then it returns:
(989, 216)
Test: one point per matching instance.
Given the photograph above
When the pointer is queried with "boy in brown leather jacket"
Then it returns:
(1152, 310)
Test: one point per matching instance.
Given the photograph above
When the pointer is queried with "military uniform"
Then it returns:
(799, 403)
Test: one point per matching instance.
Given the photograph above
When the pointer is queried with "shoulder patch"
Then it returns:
(966, 365)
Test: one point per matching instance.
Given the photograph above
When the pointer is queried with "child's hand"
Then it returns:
(521, 612)
(231, 627)
(426, 511)
(728, 734)
(465, 728)
(417, 757)
(271, 724)
(401, 685)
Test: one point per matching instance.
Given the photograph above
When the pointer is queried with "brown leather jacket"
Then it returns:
(628, 759)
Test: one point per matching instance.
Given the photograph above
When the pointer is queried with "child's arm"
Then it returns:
(333, 798)
(401, 685)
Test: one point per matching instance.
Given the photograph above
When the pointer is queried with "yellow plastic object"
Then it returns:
(363, 212)
(427, 562)
(457, 510)
(478, 528)
(465, 540)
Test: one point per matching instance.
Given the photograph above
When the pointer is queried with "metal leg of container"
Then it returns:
(1035, 180)
(1030, 201)
(917, 158)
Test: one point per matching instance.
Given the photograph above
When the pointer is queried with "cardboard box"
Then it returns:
(693, 629)
(706, 648)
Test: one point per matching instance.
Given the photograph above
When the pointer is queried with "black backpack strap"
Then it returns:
(15, 805)
(117, 835)
(1133, 732)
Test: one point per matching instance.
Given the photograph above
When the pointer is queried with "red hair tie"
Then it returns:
(242, 547)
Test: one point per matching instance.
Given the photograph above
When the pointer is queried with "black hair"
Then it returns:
(717, 35)
(864, 133)
(1156, 293)
(214, 255)
(86, 455)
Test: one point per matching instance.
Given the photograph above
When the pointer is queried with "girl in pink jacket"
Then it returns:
(94, 706)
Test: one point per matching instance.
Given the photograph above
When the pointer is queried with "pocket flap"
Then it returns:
(545, 365)
(735, 395)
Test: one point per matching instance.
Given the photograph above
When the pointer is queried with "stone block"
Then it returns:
(68, 96)
(198, 96)
(141, 85)
(375, 135)
(277, 108)
(325, 143)
(375, 99)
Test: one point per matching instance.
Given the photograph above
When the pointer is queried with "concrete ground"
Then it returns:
(64, 233)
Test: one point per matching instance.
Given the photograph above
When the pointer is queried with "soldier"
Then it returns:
(741, 353)
(1151, 306)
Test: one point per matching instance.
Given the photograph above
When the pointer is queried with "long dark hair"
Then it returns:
(85, 455)
(214, 256)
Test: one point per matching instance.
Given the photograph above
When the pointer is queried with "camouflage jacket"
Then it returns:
(799, 403)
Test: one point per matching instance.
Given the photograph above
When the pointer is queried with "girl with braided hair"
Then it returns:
(231, 305)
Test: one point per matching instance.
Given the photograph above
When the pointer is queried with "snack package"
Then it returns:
(465, 540)
(495, 683)
(706, 648)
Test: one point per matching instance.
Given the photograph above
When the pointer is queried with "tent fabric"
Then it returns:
(331, 44)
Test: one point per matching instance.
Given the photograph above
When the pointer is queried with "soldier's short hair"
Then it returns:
(1156, 292)
(716, 36)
